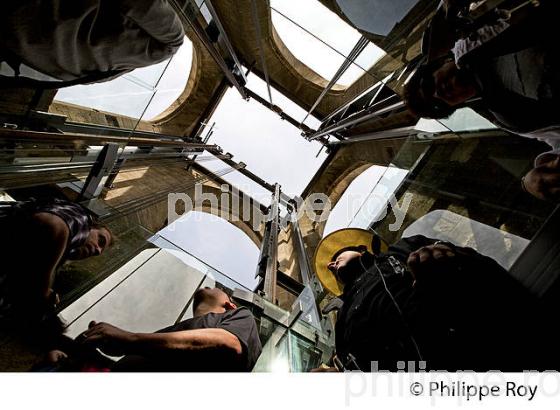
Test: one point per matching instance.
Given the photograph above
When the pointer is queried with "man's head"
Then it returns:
(346, 263)
(437, 89)
(206, 300)
(543, 181)
(99, 239)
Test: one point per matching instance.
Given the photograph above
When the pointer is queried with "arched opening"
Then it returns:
(366, 198)
(306, 25)
(143, 93)
(207, 238)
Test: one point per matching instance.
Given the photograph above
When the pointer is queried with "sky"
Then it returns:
(131, 93)
(235, 251)
(365, 198)
(330, 28)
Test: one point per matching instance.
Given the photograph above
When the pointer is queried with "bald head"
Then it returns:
(211, 300)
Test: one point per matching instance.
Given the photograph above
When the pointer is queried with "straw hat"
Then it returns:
(336, 241)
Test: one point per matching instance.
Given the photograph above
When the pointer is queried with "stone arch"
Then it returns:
(347, 163)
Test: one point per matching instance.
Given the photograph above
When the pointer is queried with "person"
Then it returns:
(37, 237)
(508, 71)
(423, 300)
(220, 337)
(56, 43)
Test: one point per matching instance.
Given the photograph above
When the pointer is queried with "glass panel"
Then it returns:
(151, 296)
(158, 86)
(365, 61)
(445, 225)
(275, 356)
(467, 190)
(310, 314)
(197, 263)
(374, 207)
(304, 354)
(464, 119)
(74, 278)
(322, 23)
(376, 16)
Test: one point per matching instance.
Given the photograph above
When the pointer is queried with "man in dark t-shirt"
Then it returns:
(220, 337)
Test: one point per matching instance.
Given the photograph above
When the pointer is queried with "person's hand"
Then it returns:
(110, 339)
(428, 258)
(55, 356)
(543, 181)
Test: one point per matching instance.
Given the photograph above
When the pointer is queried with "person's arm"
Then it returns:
(46, 246)
(118, 342)
(424, 256)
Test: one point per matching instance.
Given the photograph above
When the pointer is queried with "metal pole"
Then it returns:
(403, 132)
(203, 37)
(307, 275)
(356, 51)
(354, 120)
(225, 38)
(268, 263)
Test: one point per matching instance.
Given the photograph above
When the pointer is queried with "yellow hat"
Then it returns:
(336, 241)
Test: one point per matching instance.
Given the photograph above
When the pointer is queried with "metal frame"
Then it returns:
(403, 132)
(307, 275)
(208, 44)
(99, 173)
(356, 51)
(225, 39)
(358, 119)
(267, 267)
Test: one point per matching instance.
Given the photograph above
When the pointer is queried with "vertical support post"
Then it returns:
(268, 261)
(100, 171)
(308, 277)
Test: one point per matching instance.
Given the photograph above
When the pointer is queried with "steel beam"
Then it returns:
(284, 199)
(307, 275)
(267, 267)
(403, 132)
(357, 119)
(278, 111)
(100, 171)
(356, 51)
(224, 37)
(207, 42)
(88, 139)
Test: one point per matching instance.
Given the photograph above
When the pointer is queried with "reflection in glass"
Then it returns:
(158, 86)
(467, 190)
(322, 23)
(153, 293)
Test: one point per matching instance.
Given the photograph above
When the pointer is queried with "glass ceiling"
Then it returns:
(144, 93)
(329, 28)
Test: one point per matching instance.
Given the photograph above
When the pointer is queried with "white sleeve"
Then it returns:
(482, 36)
(550, 135)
